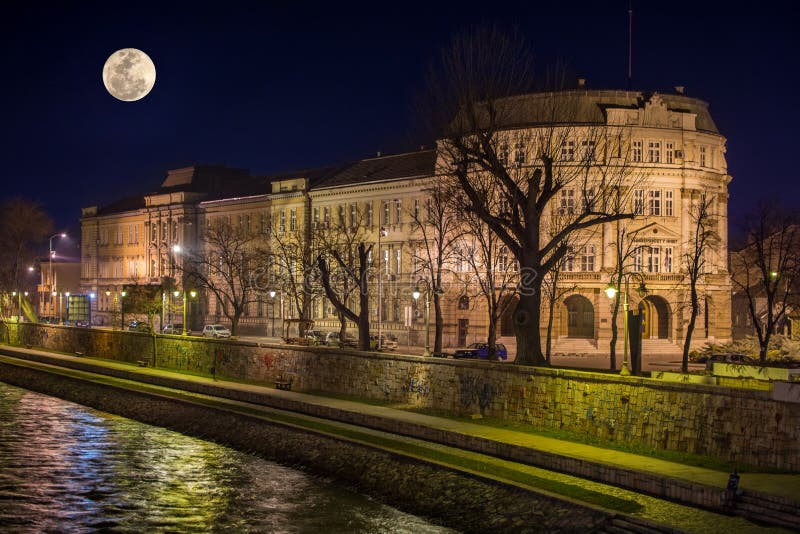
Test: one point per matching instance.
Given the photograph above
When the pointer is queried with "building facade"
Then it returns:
(670, 140)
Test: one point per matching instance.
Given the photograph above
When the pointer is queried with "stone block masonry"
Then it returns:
(733, 424)
(467, 502)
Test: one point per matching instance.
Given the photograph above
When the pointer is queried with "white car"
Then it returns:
(216, 331)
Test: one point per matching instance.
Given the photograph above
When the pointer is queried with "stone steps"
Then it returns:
(768, 509)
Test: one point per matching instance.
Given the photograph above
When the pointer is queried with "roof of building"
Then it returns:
(126, 204)
(382, 168)
(589, 107)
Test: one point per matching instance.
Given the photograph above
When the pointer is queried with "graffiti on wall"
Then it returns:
(475, 390)
(419, 386)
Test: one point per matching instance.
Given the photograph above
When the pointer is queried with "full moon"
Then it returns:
(129, 74)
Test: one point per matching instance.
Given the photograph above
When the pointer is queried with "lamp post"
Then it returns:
(122, 295)
(272, 302)
(416, 295)
(66, 314)
(52, 274)
(611, 292)
(382, 232)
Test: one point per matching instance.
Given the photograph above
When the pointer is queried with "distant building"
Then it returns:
(56, 286)
(672, 139)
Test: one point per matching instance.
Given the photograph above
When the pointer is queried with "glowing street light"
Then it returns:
(611, 292)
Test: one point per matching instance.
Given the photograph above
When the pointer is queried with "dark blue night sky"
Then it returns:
(280, 88)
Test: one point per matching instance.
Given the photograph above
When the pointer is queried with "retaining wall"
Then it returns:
(735, 424)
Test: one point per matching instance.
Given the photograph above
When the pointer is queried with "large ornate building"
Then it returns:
(671, 140)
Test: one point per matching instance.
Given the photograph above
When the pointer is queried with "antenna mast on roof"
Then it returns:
(630, 42)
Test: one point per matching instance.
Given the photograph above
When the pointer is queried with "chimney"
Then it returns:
(679, 89)
(582, 83)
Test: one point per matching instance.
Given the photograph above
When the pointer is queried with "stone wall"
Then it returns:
(734, 424)
(464, 501)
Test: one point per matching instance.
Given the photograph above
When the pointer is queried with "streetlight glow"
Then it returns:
(176, 293)
(415, 294)
(176, 249)
(272, 294)
(611, 291)
(193, 293)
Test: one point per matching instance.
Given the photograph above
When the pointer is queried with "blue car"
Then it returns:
(481, 350)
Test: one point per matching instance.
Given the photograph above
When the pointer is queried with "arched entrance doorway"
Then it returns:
(580, 317)
(655, 323)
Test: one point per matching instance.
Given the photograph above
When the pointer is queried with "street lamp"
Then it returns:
(192, 294)
(382, 232)
(52, 275)
(272, 302)
(611, 292)
(416, 294)
(66, 314)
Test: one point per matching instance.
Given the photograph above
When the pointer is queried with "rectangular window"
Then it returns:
(654, 260)
(398, 261)
(398, 211)
(588, 149)
(293, 220)
(568, 264)
(567, 202)
(637, 151)
(638, 202)
(503, 154)
(502, 259)
(326, 216)
(654, 202)
(702, 156)
(587, 258)
(654, 151)
(353, 215)
(387, 214)
(282, 225)
(316, 217)
(416, 209)
(668, 203)
(637, 259)
(368, 215)
(386, 260)
(341, 216)
(670, 152)
(519, 154)
(567, 150)
(135, 233)
(668, 259)
(164, 231)
(154, 232)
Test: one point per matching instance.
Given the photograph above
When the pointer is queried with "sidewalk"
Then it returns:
(674, 481)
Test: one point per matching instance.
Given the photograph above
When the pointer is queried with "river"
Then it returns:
(68, 468)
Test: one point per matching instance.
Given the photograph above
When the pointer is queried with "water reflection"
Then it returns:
(67, 468)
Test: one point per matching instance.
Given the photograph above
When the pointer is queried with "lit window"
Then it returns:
(654, 202)
(316, 218)
(398, 211)
(702, 156)
(654, 151)
(670, 152)
(637, 151)
(638, 202)
(293, 220)
(567, 150)
(398, 261)
(668, 204)
(587, 258)
(567, 202)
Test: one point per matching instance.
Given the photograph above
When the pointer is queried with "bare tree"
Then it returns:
(553, 292)
(702, 238)
(493, 271)
(292, 262)
(552, 161)
(766, 269)
(23, 225)
(437, 229)
(343, 240)
(224, 265)
(358, 274)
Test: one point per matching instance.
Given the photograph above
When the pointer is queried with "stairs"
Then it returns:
(574, 345)
(768, 509)
(660, 346)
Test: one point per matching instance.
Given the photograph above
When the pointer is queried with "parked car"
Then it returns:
(216, 331)
(315, 337)
(738, 359)
(82, 324)
(387, 342)
(332, 339)
(481, 350)
(173, 329)
(139, 326)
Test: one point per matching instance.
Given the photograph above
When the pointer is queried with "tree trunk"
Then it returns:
(613, 345)
(342, 326)
(549, 344)
(235, 323)
(526, 327)
(763, 346)
(437, 338)
(689, 330)
(492, 341)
